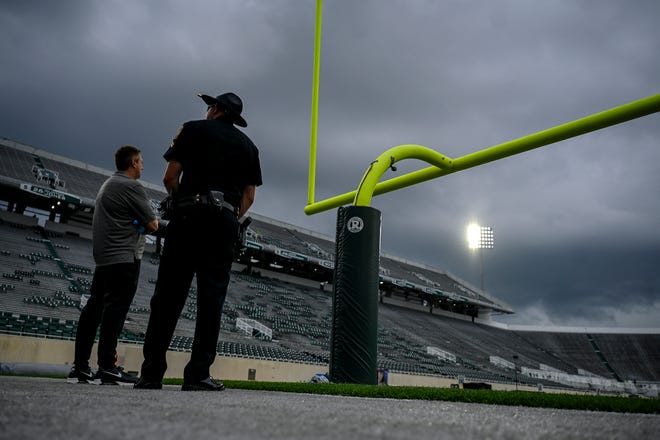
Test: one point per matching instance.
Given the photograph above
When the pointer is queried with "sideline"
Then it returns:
(35, 408)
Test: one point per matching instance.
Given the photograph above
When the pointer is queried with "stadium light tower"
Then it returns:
(480, 238)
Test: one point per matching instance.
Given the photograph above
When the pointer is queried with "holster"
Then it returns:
(242, 231)
(166, 208)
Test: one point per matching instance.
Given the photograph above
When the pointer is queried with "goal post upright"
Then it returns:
(315, 103)
(353, 340)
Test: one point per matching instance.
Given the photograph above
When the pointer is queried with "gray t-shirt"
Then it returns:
(120, 201)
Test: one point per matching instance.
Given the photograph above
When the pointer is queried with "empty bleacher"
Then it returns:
(80, 179)
(632, 357)
(45, 271)
(573, 350)
(299, 317)
(431, 278)
(16, 163)
(277, 236)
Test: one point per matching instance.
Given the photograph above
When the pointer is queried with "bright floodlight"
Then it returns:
(480, 237)
(473, 235)
(487, 239)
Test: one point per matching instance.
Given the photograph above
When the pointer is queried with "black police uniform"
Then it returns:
(199, 240)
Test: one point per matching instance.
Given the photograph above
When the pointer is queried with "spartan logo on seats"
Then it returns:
(355, 224)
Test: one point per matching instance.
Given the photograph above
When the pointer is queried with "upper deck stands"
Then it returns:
(632, 357)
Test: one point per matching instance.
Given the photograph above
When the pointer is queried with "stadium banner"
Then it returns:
(290, 255)
(253, 245)
(287, 254)
(50, 193)
(354, 337)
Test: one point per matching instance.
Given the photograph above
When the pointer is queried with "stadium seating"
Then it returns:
(46, 271)
(633, 357)
(16, 163)
(299, 317)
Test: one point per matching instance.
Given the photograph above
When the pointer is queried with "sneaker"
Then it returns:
(115, 376)
(80, 375)
(208, 384)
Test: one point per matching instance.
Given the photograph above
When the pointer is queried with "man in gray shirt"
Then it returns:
(122, 216)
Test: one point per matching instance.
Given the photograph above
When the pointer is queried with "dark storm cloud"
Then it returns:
(575, 222)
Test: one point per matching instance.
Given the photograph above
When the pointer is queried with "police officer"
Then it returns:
(212, 173)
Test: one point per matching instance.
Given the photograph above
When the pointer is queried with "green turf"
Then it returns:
(488, 397)
(513, 398)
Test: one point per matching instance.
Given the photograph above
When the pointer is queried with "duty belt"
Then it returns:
(215, 198)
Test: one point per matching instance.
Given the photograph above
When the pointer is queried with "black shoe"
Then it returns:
(80, 375)
(146, 384)
(208, 384)
(115, 376)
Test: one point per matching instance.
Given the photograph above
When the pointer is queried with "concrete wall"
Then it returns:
(29, 350)
(397, 379)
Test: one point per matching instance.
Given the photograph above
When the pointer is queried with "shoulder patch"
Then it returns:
(176, 136)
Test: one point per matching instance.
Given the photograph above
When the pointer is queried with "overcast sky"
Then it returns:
(577, 238)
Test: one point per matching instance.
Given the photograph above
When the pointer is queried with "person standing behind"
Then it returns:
(122, 215)
(212, 173)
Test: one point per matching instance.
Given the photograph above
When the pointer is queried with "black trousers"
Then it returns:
(199, 242)
(112, 291)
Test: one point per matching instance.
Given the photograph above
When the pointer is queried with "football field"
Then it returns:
(37, 408)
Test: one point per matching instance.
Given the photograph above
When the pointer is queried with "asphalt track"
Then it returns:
(35, 408)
